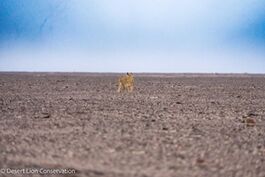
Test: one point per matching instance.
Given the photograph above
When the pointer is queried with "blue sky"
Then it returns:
(133, 35)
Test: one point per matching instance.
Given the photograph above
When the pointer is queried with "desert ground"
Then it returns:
(171, 125)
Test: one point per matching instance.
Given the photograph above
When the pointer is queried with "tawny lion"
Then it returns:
(126, 83)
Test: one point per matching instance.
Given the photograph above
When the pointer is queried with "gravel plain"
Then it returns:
(172, 125)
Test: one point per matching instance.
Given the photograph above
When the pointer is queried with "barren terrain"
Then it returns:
(172, 125)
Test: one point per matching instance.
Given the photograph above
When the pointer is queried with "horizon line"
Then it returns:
(118, 72)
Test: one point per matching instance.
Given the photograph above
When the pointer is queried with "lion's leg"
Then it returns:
(119, 87)
(128, 88)
(131, 88)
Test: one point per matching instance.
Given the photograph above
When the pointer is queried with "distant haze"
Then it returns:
(207, 36)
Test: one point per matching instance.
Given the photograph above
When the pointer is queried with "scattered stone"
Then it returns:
(178, 102)
(145, 116)
(200, 161)
(250, 122)
(42, 115)
(153, 97)
(252, 114)
(60, 80)
(172, 167)
(45, 115)
(165, 128)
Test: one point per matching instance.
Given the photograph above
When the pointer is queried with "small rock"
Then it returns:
(153, 97)
(165, 109)
(165, 128)
(252, 114)
(250, 122)
(45, 115)
(59, 80)
(200, 161)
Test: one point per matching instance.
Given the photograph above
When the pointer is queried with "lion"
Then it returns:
(126, 83)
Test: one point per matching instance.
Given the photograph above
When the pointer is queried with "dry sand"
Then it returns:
(171, 125)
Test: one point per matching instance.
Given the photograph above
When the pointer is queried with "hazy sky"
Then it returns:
(133, 35)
